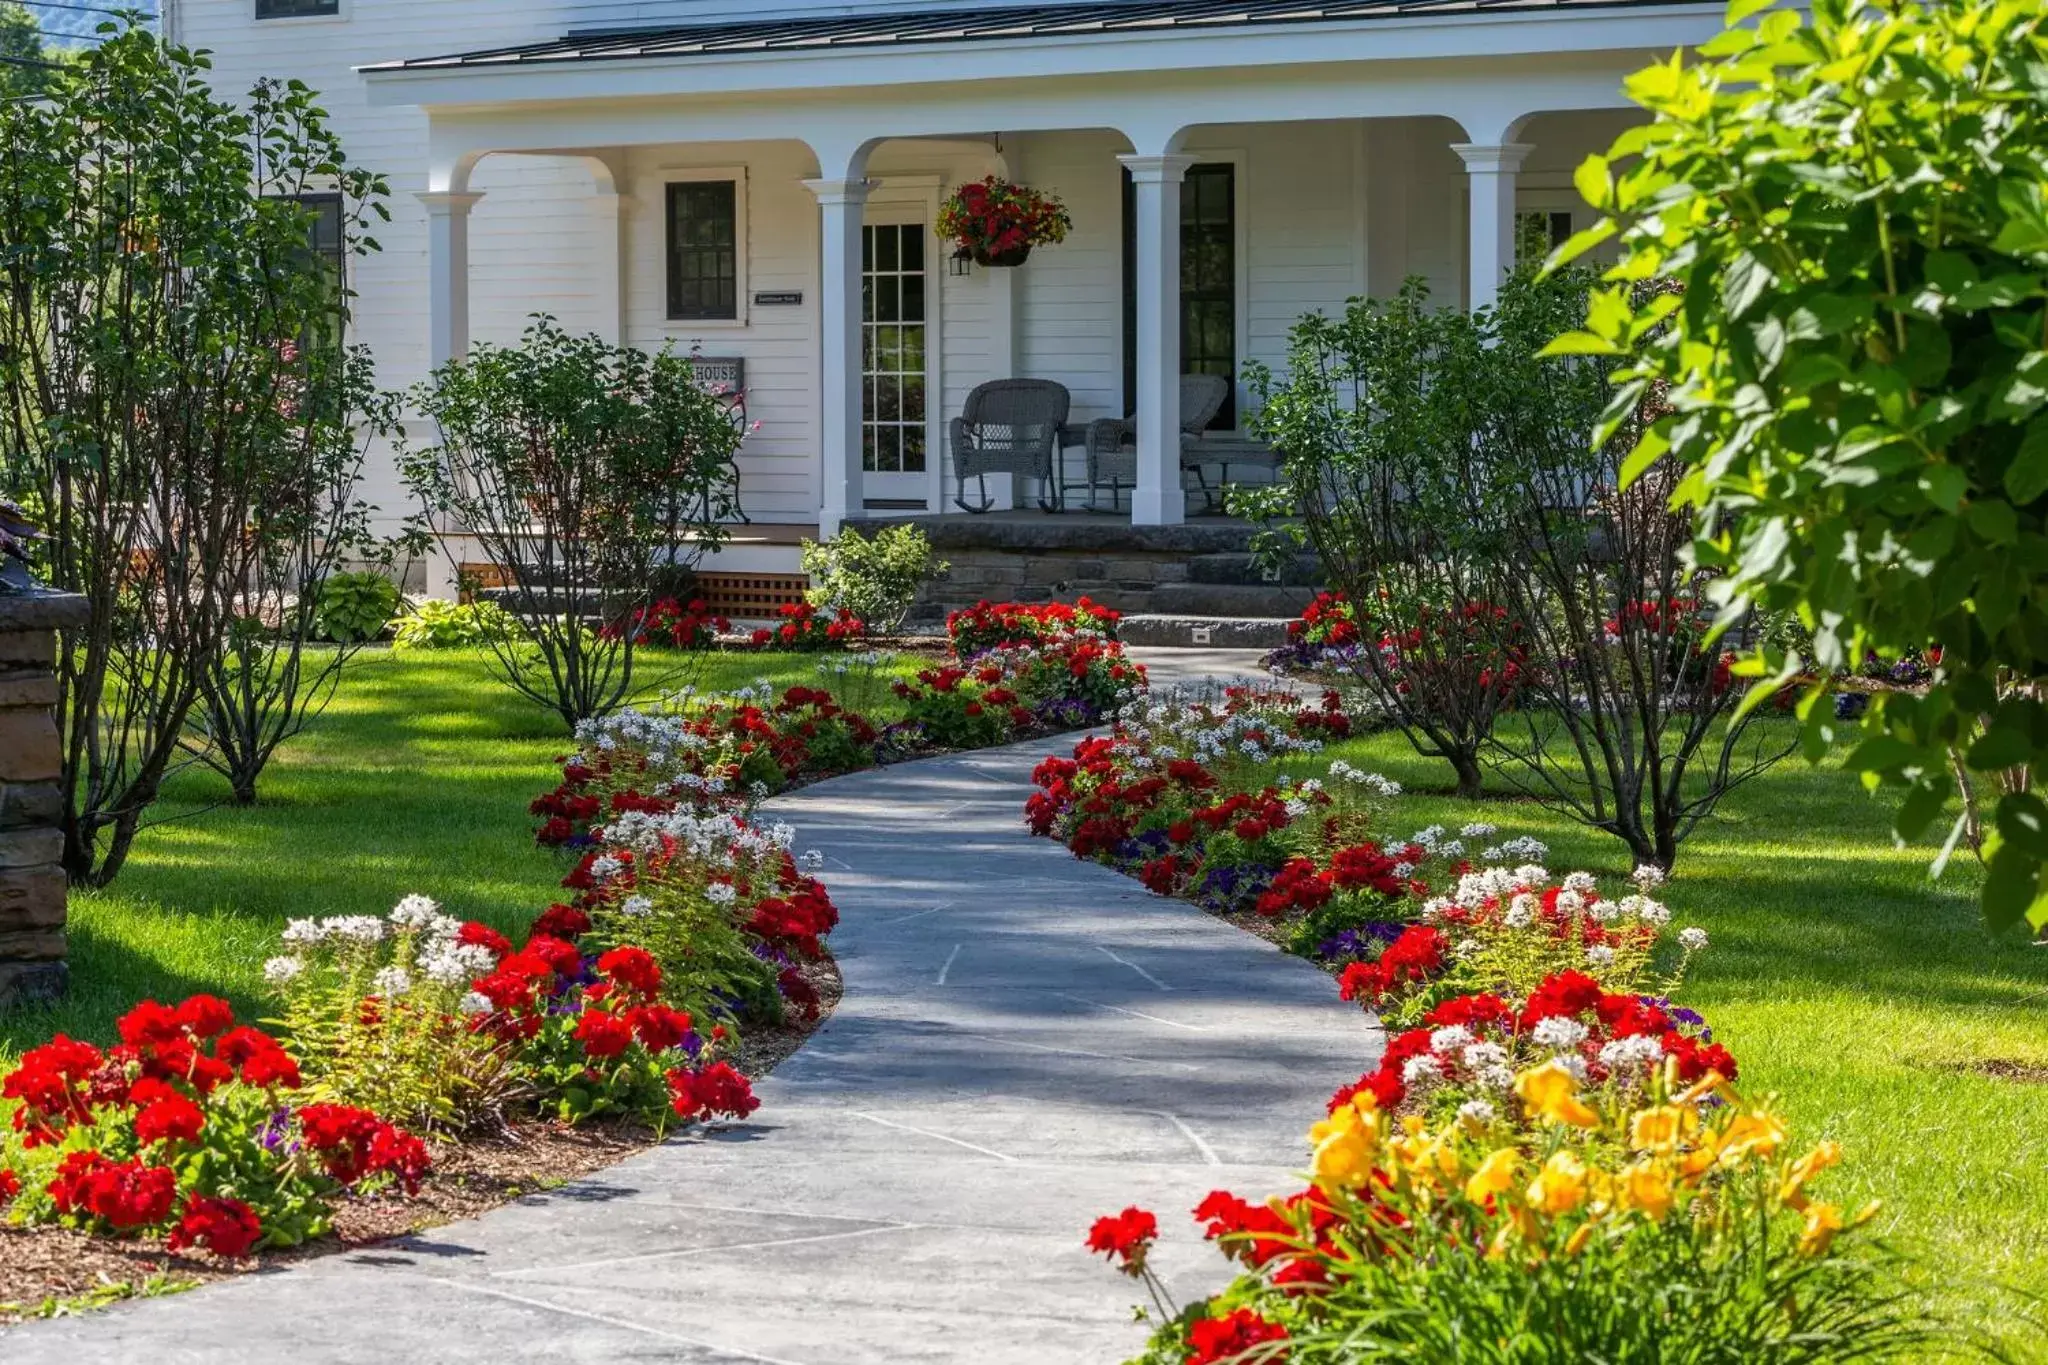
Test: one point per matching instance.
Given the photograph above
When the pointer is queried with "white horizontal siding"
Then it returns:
(1330, 209)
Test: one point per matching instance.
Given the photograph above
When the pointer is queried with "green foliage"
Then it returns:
(357, 606)
(159, 417)
(708, 969)
(377, 1011)
(1856, 370)
(874, 580)
(1379, 417)
(582, 469)
(27, 67)
(435, 624)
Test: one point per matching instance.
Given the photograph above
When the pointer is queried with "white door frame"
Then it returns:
(897, 200)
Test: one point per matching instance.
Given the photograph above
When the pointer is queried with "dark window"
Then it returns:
(1208, 282)
(295, 9)
(327, 252)
(1538, 233)
(703, 249)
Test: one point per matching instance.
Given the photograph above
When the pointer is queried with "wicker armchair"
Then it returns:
(1009, 426)
(1112, 441)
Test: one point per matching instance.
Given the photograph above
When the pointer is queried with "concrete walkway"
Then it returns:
(1026, 1041)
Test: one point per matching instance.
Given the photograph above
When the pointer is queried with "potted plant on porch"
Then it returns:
(996, 223)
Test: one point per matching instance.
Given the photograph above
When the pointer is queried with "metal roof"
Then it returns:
(901, 28)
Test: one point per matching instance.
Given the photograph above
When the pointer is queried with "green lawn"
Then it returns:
(416, 778)
(1862, 993)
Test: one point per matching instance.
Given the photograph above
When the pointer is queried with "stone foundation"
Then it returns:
(32, 882)
(1199, 569)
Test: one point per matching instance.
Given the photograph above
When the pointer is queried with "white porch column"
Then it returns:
(1490, 169)
(840, 210)
(1157, 499)
(608, 219)
(447, 274)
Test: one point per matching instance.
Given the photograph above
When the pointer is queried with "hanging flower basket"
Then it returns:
(996, 223)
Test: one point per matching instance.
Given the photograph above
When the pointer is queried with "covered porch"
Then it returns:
(1224, 178)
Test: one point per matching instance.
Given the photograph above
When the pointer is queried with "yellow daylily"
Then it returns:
(1663, 1127)
(1793, 1190)
(1560, 1186)
(1646, 1188)
(1823, 1221)
(1347, 1144)
(1552, 1092)
(1756, 1134)
(1577, 1241)
(1496, 1175)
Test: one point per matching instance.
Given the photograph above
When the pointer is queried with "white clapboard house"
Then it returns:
(758, 181)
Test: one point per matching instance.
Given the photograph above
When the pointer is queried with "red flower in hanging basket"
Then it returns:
(997, 223)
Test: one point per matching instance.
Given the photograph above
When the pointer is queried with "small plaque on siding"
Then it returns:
(778, 298)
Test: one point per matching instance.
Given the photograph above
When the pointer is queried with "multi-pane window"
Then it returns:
(893, 322)
(1538, 232)
(1208, 278)
(1208, 281)
(703, 249)
(296, 9)
(327, 254)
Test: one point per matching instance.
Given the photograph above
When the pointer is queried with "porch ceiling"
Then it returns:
(897, 29)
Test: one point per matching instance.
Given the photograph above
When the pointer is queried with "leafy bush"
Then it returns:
(381, 1014)
(354, 607)
(434, 624)
(171, 412)
(1855, 210)
(1379, 417)
(991, 625)
(582, 469)
(874, 580)
(189, 1127)
(805, 627)
(672, 624)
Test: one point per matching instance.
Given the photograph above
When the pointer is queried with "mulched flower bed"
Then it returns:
(47, 1271)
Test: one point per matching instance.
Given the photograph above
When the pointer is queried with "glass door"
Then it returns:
(894, 330)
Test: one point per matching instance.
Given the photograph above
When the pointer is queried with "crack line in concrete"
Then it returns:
(625, 1324)
(1208, 1152)
(926, 1132)
(918, 914)
(1135, 1014)
(681, 1252)
(949, 963)
(1126, 962)
(1081, 1052)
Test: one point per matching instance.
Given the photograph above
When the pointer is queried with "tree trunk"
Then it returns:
(1469, 775)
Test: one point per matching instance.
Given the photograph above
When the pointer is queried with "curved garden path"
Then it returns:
(1026, 1041)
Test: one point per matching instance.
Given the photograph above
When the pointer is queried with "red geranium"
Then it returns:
(226, 1227)
(1125, 1236)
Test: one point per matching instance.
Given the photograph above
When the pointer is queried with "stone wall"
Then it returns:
(32, 882)
(1196, 570)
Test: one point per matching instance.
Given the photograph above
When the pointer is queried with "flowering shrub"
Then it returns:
(672, 624)
(996, 221)
(1329, 620)
(991, 625)
(720, 905)
(804, 626)
(1505, 930)
(1654, 1221)
(381, 1013)
(190, 1128)
(1178, 795)
(613, 1047)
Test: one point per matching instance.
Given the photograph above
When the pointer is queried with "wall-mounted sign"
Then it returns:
(778, 298)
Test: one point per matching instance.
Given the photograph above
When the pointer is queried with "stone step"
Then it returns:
(1251, 601)
(1302, 570)
(1156, 631)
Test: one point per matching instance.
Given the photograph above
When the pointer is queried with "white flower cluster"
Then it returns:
(1340, 771)
(1629, 1054)
(1524, 847)
(440, 957)
(1558, 1033)
(1438, 843)
(1692, 939)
